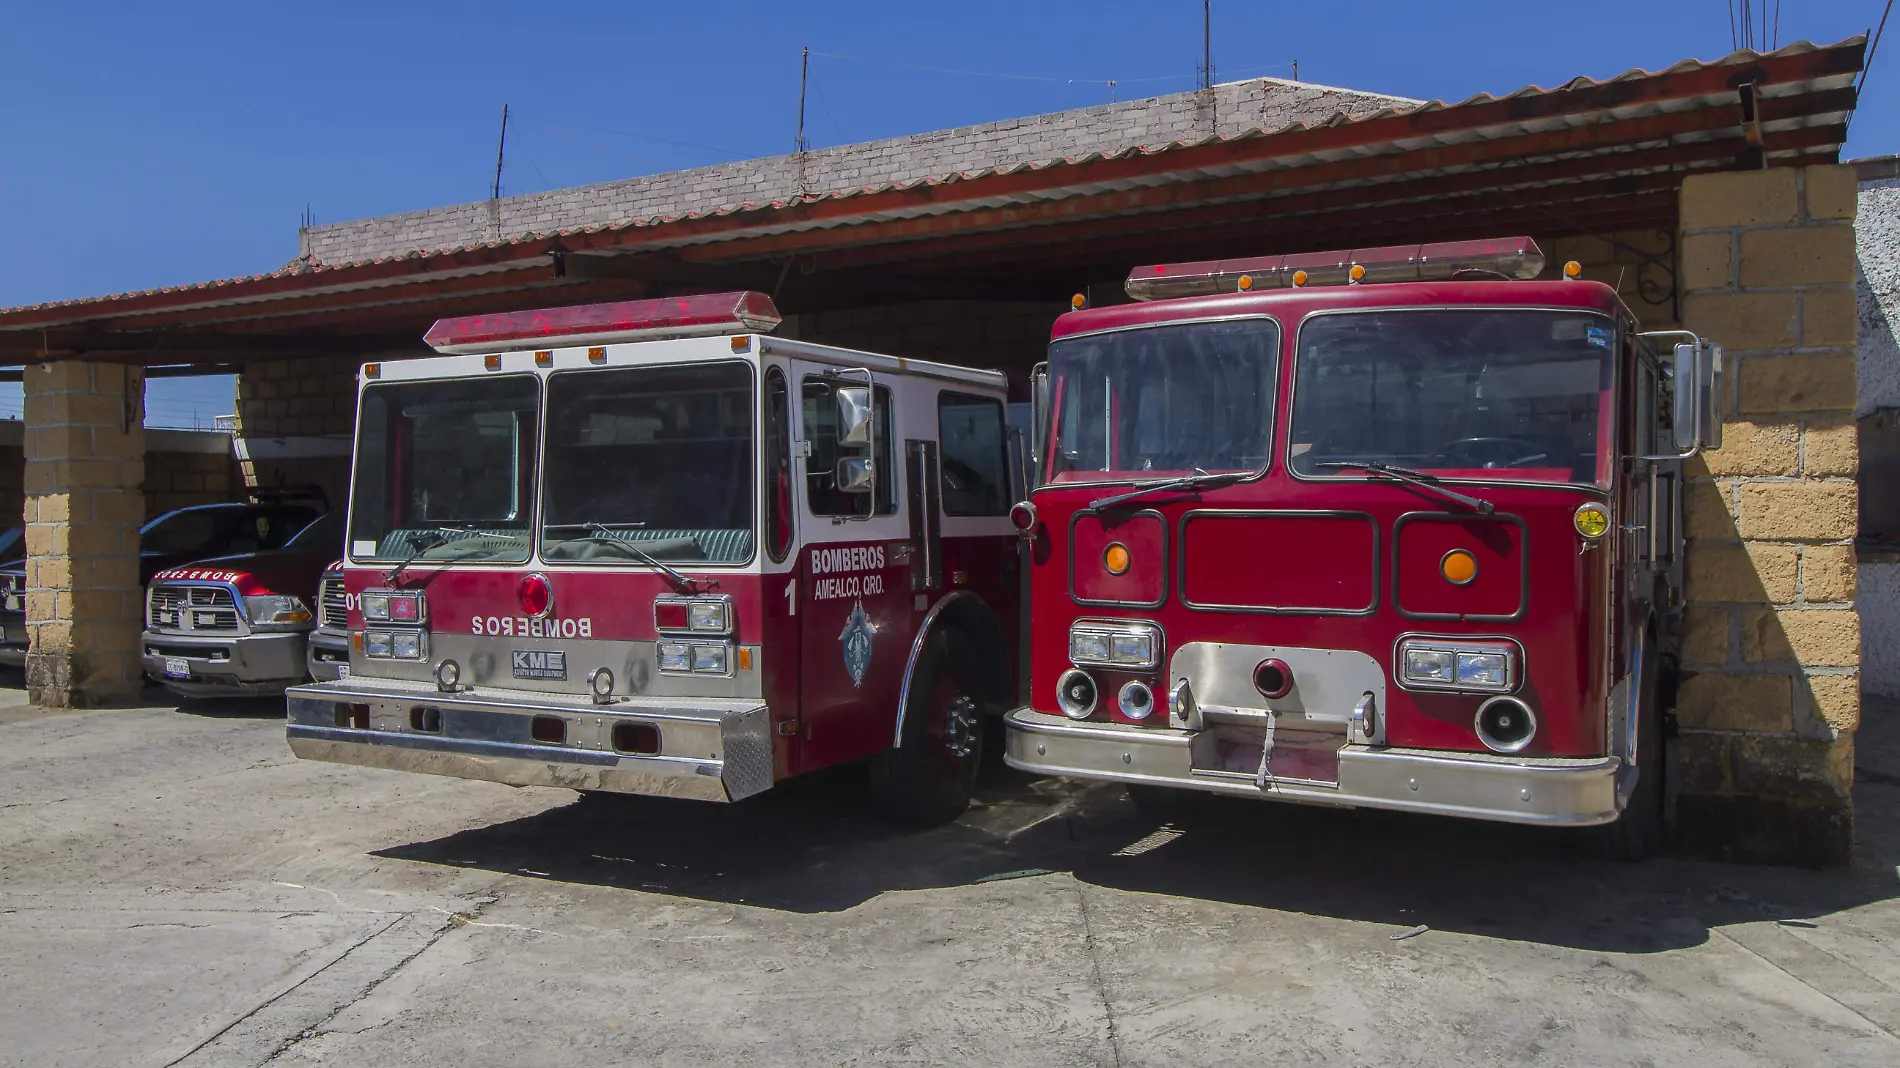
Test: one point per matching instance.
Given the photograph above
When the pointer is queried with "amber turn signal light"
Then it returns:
(1115, 558)
(1459, 567)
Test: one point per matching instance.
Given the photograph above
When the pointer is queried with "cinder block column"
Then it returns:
(85, 462)
(1770, 693)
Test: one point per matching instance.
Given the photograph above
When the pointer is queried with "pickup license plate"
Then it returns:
(177, 669)
(540, 664)
(343, 671)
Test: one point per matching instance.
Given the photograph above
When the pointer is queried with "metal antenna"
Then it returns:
(1207, 44)
(495, 193)
(804, 69)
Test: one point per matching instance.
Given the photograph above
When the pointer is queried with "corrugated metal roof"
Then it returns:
(1424, 130)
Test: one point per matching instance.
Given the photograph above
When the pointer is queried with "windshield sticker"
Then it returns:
(857, 637)
(1600, 336)
(362, 548)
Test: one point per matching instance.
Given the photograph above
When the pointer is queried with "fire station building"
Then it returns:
(1710, 195)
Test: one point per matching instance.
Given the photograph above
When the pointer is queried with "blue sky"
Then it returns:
(157, 143)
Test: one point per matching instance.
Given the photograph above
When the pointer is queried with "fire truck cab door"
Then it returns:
(853, 595)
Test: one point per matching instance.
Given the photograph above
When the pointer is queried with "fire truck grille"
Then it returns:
(333, 604)
(195, 608)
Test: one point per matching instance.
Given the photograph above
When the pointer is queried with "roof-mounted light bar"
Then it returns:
(1511, 257)
(702, 315)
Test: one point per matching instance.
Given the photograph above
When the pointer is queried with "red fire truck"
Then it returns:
(646, 548)
(1396, 528)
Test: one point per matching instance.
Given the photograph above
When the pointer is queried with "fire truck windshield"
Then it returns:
(444, 470)
(1509, 395)
(1135, 404)
(650, 463)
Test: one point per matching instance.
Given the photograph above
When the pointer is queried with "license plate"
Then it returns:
(343, 671)
(539, 664)
(177, 669)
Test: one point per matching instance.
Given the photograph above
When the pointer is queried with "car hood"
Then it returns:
(292, 571)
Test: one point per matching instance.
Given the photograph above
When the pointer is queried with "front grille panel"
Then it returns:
(202, 609)
(333, 603)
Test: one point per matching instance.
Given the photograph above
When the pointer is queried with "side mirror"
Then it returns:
(854, 474)
(854, 415)
(1698, 387)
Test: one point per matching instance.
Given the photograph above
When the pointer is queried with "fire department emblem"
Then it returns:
(856, 638)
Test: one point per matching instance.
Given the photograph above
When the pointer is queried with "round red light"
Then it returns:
(1023, 516)
(535, 595)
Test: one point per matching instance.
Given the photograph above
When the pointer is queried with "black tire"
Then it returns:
(1169, 804)
(928, 779)
(1638, 833)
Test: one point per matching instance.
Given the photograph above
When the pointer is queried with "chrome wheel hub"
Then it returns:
(960, 727)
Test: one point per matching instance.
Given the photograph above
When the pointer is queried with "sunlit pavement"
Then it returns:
(175, 888)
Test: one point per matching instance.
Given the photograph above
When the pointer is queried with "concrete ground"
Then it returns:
(176, 889)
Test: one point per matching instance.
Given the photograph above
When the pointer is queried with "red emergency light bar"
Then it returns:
(702, 315)
(1511, 257)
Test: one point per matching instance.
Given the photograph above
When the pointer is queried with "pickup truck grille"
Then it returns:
(204, 609)
(333, 603)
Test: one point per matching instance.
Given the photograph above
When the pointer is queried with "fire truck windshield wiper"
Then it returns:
(423, 541)
(1413, 478)
(601, 532)
(1199, 480)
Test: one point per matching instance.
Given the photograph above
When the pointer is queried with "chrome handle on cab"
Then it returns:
(1365, 719)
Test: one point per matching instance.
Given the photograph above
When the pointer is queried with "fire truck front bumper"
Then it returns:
(1550, 791)
(710, 749)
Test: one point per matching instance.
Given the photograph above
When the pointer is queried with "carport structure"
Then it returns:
(1708, 193)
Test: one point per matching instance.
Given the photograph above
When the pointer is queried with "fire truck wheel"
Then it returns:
(928, 780)
(1638, 833)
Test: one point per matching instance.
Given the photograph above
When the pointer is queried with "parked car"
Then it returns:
(328, 658)
(13, 615)
(238, 625)
(204, 530)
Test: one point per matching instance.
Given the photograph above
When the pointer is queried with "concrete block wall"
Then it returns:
(1769, 698)
(182, 468)
(85, 446)
(309, 401)
(1877, 289)
(1234, 108)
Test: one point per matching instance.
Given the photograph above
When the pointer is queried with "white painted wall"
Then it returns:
(1877, 233)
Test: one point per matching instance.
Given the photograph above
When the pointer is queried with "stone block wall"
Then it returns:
(85, 445)
(295, 416)
(1769, 698)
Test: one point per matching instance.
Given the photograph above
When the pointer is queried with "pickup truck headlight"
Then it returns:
(1133, 646)
(1449, 664)
(276, 610)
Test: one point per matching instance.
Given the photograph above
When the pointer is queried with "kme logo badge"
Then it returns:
(856, 637)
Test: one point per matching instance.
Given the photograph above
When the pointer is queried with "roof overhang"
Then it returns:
(1584, 157)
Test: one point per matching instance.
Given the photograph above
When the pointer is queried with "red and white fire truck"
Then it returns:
(647, 548)
(1396, 528)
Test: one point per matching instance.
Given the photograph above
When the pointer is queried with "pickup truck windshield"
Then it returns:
(1133, 405)
(445, 470)
(1508, 395)
(650, 462)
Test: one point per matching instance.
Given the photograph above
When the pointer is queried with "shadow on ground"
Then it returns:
(814, 846)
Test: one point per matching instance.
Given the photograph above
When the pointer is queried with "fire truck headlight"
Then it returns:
(1484, 670)
(375, 606)
(1430, 665)
(1127, 644)
(407, 645)
(710, 659)
(378, 643)
(675, 656)
(1088, 645)
(708, 617)
(1132, 649)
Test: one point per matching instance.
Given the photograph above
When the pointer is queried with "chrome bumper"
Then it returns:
(1544, 790)
(712, 749)
(226, 665)
(329, 654)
